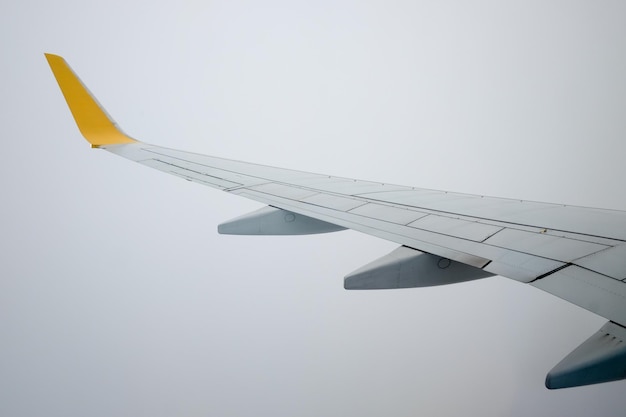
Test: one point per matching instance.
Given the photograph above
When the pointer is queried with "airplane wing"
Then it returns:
(575, 253)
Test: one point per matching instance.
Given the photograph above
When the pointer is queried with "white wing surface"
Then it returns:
(575, 253)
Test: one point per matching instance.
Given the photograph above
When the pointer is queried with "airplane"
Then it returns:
(575, 253)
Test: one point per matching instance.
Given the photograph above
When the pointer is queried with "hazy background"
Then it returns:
(119, 298)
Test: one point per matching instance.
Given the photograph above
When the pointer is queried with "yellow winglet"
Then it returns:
(93, 121)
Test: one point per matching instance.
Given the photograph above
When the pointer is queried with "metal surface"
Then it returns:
(470, 230)
(552, 247)
(522, 266)
(333, 202)
(610, 262)
(592, 291)
(388, 213)
(410, 268)
(273, 221)
(601, 358)
(292, 193)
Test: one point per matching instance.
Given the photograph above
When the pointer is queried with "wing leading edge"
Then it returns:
(575, 253)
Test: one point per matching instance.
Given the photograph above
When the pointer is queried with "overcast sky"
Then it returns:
(119, 298)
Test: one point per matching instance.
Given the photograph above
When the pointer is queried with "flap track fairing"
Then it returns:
(409, 268)
(601, 358)
(274, 221)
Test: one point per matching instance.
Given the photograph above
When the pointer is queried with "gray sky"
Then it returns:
(117, 295)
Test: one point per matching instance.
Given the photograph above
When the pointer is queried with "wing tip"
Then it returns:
(50, 56)
(96, 126)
